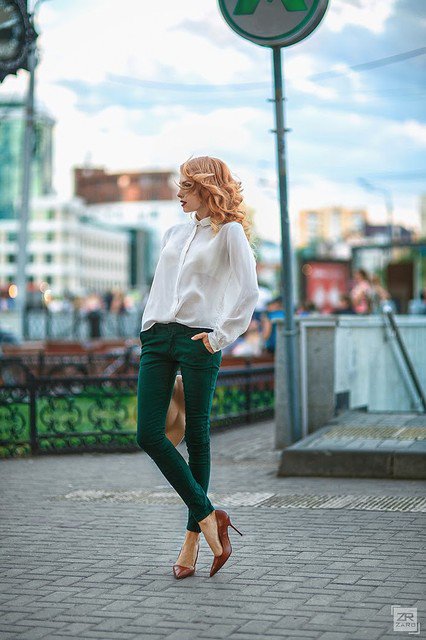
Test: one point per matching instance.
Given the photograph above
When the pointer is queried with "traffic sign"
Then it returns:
(273, 23)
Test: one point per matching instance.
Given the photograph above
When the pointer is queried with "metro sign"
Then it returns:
(273, 23)
(248, 7)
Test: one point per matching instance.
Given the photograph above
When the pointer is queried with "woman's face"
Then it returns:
(188, 196)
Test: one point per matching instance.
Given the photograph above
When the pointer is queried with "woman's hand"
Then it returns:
(203, 336)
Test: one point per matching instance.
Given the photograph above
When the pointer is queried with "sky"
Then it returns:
(141, 84)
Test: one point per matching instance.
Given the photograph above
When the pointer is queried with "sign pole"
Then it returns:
(290, 331)
(276, 25)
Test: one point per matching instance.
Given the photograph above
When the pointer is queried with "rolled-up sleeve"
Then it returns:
(243, 283)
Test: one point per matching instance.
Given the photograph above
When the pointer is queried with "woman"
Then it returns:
(202, 298)
(361, 293)
(379, 295)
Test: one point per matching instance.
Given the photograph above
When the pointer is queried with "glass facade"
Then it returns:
(11, 148)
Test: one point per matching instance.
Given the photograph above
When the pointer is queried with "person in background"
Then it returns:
(94, 311)
(274, 309)
(251, 345)
(361, 293)
(379, 294)
(345, 305)
(307, 308)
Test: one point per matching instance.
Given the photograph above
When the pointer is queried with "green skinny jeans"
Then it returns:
(167, 347)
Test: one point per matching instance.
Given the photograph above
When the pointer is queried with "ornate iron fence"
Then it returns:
(46, 414)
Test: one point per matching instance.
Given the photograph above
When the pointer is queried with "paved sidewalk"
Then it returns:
(88, 542)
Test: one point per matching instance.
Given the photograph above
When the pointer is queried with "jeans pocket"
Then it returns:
(203, 346)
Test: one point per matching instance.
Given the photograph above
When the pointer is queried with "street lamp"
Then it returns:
(18, 51)
(368, 186)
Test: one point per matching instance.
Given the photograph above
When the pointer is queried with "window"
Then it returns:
(312, 225)
(11, 257)
(335, 225)
(357, 221)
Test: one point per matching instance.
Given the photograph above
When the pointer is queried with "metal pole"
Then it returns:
(27, 157)
(389, 210)
(406, 356)
(286, 255)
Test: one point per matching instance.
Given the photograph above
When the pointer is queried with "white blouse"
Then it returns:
(204, 280)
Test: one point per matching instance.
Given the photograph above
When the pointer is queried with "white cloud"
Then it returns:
(298, 70)
(361, 13)
(413, 130)
(150, 44)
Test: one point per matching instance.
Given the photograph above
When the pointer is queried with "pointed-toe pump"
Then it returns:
(223, 522)
(180, 571)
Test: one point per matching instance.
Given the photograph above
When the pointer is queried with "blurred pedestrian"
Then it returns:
(186, 322)
(252, 343)
(94, 310)
(118, 308)
(307, 308)
(274, 310)
(361, 293)
(379, 294)
(345, 305)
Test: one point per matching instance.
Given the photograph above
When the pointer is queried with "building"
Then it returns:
(142, 203)
(95, 185)
(329, 224)
(146, 222)
(381, 233)
(66, 251)
(12, 125)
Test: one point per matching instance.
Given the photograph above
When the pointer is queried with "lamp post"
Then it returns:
(386, 193)
(18, 51)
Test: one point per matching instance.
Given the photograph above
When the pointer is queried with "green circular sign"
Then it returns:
(273, 23)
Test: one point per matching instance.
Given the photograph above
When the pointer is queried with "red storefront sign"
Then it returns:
(325, 282)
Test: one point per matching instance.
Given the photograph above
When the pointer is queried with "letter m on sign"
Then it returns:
(247, 7)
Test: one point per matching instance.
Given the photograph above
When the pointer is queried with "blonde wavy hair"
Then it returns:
(215, 185)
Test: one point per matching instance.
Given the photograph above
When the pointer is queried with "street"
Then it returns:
(88, 543)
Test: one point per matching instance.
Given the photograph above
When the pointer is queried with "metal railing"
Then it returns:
(41, 324)
(47, 414)
(407, 362)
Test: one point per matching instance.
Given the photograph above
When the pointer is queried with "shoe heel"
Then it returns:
(231, 525)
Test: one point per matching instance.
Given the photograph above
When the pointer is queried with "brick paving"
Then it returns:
(102, 568)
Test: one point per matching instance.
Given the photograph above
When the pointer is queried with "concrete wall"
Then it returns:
(369, 367)
(350, 360)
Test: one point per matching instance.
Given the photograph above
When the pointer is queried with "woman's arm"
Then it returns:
(244, 282)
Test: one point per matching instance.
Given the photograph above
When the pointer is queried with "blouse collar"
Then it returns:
(204, 222)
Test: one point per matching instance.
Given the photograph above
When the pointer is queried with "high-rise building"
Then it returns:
(329, 224)
(143, 203)
(66, 251)
(12, 127)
